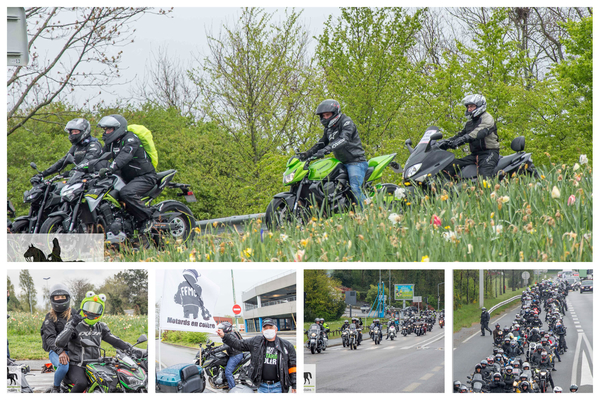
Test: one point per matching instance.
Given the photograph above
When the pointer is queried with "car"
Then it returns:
(365, 308)
(587, 286)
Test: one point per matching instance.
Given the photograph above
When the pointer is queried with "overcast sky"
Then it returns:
(244, 279)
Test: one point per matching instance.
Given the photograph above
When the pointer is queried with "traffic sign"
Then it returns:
(525, 275)
(237, 310)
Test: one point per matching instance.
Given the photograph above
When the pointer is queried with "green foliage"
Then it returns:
(323, 300)
(184, 338)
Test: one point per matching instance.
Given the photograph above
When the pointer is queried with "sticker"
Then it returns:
(427, 135)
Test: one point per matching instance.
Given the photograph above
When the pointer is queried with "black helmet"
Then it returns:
(115, 121)
(225, 327)
(332, 106)
(497, 375)
(479, 102)
(483, 308)
(80, 124)
(574, 388)
(60, 306)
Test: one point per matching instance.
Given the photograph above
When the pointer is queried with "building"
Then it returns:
(273, 298)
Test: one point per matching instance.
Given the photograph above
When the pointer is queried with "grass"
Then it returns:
(519, 219)
(26, 342)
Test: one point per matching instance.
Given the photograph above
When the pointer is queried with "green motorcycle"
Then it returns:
(324, 185)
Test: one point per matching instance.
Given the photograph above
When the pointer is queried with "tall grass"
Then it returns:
(518, 219)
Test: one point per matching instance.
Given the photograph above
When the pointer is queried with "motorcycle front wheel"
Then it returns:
(277, 213)
(312, 349)
(20, 227)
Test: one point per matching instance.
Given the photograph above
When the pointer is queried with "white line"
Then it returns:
(406, 348)
(435, 339)
(579, 330)
(576, 360)
(471, 337)
(586, 372)
(589, 346)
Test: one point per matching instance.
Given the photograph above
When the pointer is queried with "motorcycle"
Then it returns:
(44, 199)
(441, 322)
(353, 337)
(214, 364)
(91, 204)
(542, 380)
(392, 332)
(345, 341)
(119, 374)
(404, 330)
(426, 162)
(477, 382)
(324, 185)
(315, 341)
(376, 335)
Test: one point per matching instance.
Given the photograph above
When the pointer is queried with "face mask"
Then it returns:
(269, 334)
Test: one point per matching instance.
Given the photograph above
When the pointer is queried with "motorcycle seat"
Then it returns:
(155, 191)
(504, 161)
(165, 173)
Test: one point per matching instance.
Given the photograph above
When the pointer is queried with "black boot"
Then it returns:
(55, 389)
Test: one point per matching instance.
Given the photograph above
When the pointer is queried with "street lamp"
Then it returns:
(47, 279)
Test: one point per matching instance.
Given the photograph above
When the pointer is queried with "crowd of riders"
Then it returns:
(525, 353)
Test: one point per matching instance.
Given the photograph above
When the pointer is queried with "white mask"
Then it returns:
(269, 334)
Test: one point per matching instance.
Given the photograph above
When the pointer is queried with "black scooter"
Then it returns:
(427, 160)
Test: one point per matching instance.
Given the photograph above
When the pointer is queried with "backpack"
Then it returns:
(145, 137)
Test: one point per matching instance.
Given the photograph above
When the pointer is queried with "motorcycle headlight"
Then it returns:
(68, 192)
(288, 178)
(412, 170)
(313, 334)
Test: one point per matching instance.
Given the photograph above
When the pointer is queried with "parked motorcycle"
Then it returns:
(214, 363)
(427, 160)
(324, 184)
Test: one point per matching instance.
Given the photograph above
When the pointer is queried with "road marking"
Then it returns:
(391, 347)
(577, 326)
(406, 348)
(426, 376)
(411, 387)
(471, 337)
(576, 359)
(589, 346)
(579, 330)
(586, 372)
(436, 369)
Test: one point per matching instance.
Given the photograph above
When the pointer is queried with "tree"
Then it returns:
(257, 82)
(78, 287)
(13, 303)
(322, 299)
(136, 288)
(84, 54)
(28, 290)
(364, 59)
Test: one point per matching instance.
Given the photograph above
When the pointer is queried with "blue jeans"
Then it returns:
(266, 388)
(356, 175)
(61, 370)
(231, 364)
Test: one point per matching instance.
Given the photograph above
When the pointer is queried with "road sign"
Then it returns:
(237, 310)
(525, 275)
(417, 299)
(351, 297)
(404, 291)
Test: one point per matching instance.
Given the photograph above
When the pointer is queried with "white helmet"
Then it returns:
(479, 102)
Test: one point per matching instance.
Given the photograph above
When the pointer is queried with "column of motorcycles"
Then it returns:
(79, 201)
(523, 354)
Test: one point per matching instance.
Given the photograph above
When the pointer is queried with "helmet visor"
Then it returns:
(92, 307)
(109, 122)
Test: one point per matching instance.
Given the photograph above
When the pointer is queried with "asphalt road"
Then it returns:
(408, 364)
(469, 348)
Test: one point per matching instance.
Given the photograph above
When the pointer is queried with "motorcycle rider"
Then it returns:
(133, 164)
(509, 376)
(481, 134)
(497, 385)
(557, 389)
(325, 327)
(358, 323)
(574, 388)
(534, 335)
(86, 324)
(525, 387)
(377, 323)
(340, 136)
(498, 334)
(345, 325)
(561, 331)
(273, 358)
(84, 148)
(235, 356)
(484, 320)
(54, 323)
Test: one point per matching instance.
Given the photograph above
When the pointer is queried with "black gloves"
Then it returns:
(320, 154)
(37, 178)
(444, 144)
(137, 353)
(459, 141)
(302, 156)
(105, 171)
(76, 318)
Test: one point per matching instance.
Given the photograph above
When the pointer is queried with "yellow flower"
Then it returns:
(447, 227)
(492, 215)
(247, 253)
(444, 197)
(197, 230)
(543, 176)
(425, 259)
(469, 248)
(349, 244)
(214, 224)
(304, 242)
(504, 199)
(486, 184)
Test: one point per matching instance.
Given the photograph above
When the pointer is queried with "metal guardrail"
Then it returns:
(235, 220)
(504, 303)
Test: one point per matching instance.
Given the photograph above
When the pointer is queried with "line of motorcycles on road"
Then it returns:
(524, 355)
(126, 372)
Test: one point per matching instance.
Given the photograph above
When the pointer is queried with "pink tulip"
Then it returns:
(435, 220)
(571, 200)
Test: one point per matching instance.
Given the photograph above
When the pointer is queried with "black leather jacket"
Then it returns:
(50, 331)
(87, 150)
(130, 158)
(72, 335)
(257, 346)
(343, 140)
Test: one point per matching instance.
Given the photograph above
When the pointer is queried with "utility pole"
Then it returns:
(481, 288)
(438, 287)
(234, 301)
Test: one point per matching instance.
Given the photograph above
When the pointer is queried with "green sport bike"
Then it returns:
(324, 185)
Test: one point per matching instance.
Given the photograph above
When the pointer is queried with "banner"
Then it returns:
(404, 292)
(188, 302)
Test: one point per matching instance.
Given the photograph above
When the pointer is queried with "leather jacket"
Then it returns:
(343, 140)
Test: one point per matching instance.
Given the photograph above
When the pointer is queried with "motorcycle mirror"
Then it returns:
(436, 136)
(142, 339)
(32, 165)
(408, 142)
